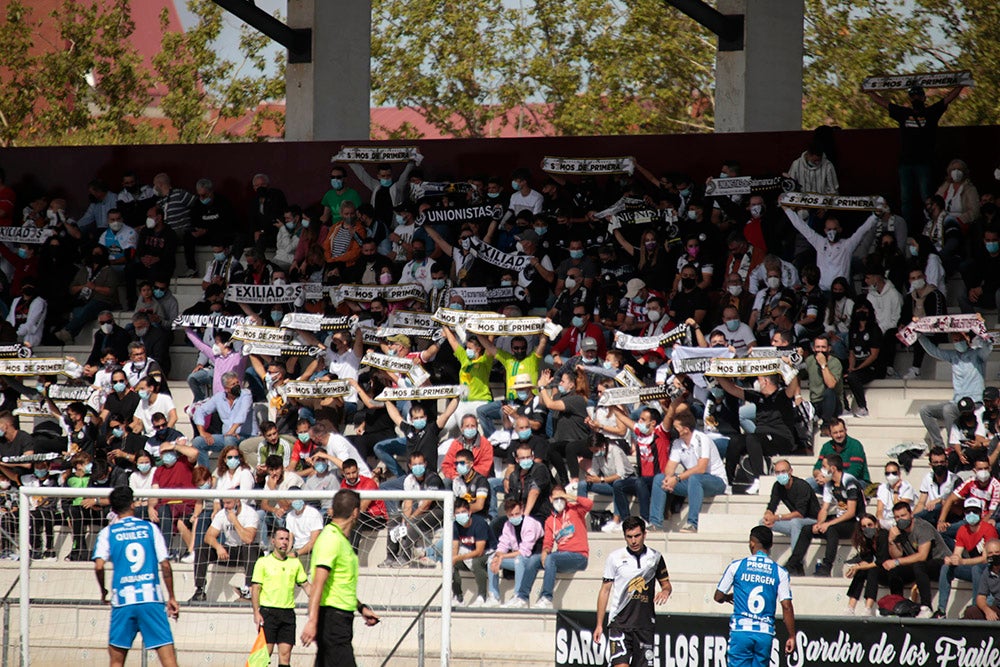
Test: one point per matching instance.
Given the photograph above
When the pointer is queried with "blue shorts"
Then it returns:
(148, 618)
(749, 649)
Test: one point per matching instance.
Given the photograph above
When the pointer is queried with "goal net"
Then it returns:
(64, 619)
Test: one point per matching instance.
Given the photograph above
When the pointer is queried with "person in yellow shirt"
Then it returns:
(272, 593)
(515, 363)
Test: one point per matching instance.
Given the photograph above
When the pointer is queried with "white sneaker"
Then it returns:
(860, 412)
(753, 489)
(516, 603)
(478, 602)
(542, 603)
(850, 611)
(912, 374)
(925, 612)
(492, 601)
(188, 557)
(611, 527)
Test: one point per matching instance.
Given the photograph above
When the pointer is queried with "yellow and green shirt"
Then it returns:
(475, 375)
(278, 579)
(333, 552)
(515, 367)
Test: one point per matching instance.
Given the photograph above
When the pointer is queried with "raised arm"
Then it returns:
(448, 412)
(439, 240)
(877, 98)
(811, 237)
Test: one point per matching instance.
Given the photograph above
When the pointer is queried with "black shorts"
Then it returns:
(630, 646)
(279, 625)
(334, 634)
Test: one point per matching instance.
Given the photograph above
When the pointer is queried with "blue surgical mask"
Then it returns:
(303, 437)
(470, 433)
(541, 230)
(385, 182)
(523, 395)
(638, 299)
(972, 518)
(643, 427)
(782, 478)
(992, 247)
(914, 250)
(337, 183)
(462, 518)
(206, 200)
(653, 365)
(144, 394)
(961, 346)
(516, 520)
(159, 293)
(420, 424)
(607, 365)
(118, 432)
(298, 505)
(119, 387)
(492, 195)
(23, 252)
(400, 220)
(220, 256)
(526, 464)
(576, 254)
(41, 473)
(524, 435)
(455, 306)
(290, 226)
(232, 462)
(418, 469)
(471, 352)
(462, 469)
(506, 283)
(515, 185)
(563, 390)
(577, 321)
(732, 325)
(89, 468)
(169, 458)
(717, 392)
(276, 315)
(438, 283)
(319, 467)
(143, 468)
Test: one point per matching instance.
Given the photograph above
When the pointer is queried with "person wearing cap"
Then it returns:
(637, 294)
(982, 485)
(399, 345)
(968, 378)
(574, 296)
(967, 437)
(520, 367)
(918, 125)
(968, 560)
(570, 343)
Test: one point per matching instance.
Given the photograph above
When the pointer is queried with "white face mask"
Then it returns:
(756, 210)
(654, 315)
(957, 174)
(996, 173)
(983, 475)
(150, 223)
(559, 505)
(570, 282)
(773, 282)
(735, 290)
(917, 284)
(115, 226)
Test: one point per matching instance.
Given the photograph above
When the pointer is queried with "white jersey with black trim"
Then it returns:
(634, 577)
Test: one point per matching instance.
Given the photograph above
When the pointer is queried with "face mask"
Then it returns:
(169, 458)
(563, 390)
(438, 283)
(141, 331)
(150, 223)
(516, 520)
(386, 278)
(118, 432)
(576, 254)
(654, 315)
(868, 531)
(541, 230)
(918, 284)
(717, 392)
(89, 468)
(825, 473)
(492, 195)
(525, 464)
(455, 306)
(465, 243)
(337, 183)
(643, 427)
(217, 350)
(276, 315)
(577, 321)
(774, 282)
(693, 251)
(144, 394)
(515, 185)
(523, 395)
(756, 210)
(319, 467)
(470, 433)
(956, 174)
(22, 253)
(206, 485)
(782, 478)
(891, 478)
(570, 282)
(420, 424)
(653, 365)
(650, 246)
(735, 290)
(41, 474)
(159, 293)
(506, 283)
(232, 463)
(115, 226)
(385, 182)
(831, 235)
(290, 226)
(961, 346)
(982, 475)
(462, 518)
(972, 518)
(462, 469)
(903, 524)
(692, 215)
(732, 325)
(206, 200)
(994, 560)
(303, 437)
(235, 391)
(418, 469)
(298, 505)
(559, 505)
(143, 468)
(607, 365)
(107, 328)
(471, 352)
(688, 283)
(940, 470)
(993, 247)
(220, 256)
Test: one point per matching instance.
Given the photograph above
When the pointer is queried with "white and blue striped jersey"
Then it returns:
(135, 549)
(757, 584)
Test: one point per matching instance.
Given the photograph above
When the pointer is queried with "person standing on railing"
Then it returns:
(133, 547)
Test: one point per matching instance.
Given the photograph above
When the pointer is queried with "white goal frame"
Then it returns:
(447, 498)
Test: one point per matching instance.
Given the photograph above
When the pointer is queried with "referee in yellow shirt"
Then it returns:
(272, 593)
(333, 595)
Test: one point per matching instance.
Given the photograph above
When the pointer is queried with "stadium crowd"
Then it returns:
(617, 279)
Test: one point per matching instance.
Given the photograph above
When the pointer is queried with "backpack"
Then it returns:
(897, 605)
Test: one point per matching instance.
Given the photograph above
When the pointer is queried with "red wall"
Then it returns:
(867, 160)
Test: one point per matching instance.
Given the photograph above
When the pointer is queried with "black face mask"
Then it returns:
(419, 255)
(379, 316)
(940, 470)
(520, 354)
(994, 561)
(261, 192)
(132, 189)
(235, 391)
(837, 296)
(688, 283)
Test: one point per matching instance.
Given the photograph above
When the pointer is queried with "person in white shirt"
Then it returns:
(27, 314)
(418, 270)
(152, 402)
(786, 271)
(338, 448)
(738, 334)
(524, 198)
(704, 472)
(833, 252)
(287, 238)
(936, 486)
(890, 492)
(118, 238)
(397, 189)
(887, 305)
(231, 538)
(304, 522)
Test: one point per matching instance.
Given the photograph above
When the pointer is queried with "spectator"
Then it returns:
(472, 548)
(569, 403)
(530, 483)
(276, 478)
(232, 472)
(140, 365)
(961, 198)
(803, 508)
(267, 206)
(304, 522)
(565, 547)
(936, 486)
(843, 498)
(967, 438)
(814, 172)
(27, 314)
(968, 370)
(418, 519)
(989, 589)
(386, 193)
(968, 560)
(851, 452)
(916, 553)
(233, 408)
(923, 300)
(236, 524)
(175, 472)
(472, 441)
(335, 448)
(979, 274)
(336, 195)
(102, 201)
(571, 341)
(833, 250)
(120, 241)
(826, 387)
(153, 339)
(153, 402)
(865, 348)
(269, 442)
(475, 365)
(289, 232)
(94, 288)
(982, 485)
(886, 306)
(372, 515)
(175, 204)
(213, 222)
(222, 357)
(864, 569)
(519, 543)
(342, 245)
(470, 485)
(608, 466)
(893, 490)
(520, 373)
(42, 508)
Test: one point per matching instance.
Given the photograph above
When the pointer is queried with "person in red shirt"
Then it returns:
(569, 343)
(968, 562)
(373, 514)
(565, 547)
(176, 472)
(471, 439)
(652, 451)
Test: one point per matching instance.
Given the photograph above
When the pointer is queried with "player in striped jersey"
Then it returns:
(134, 548)
(629, 575)
(755, 585)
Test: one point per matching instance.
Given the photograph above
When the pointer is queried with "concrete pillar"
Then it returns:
(328, 99)
(759, 89)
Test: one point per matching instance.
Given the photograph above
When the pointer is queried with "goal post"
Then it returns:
(446, 498)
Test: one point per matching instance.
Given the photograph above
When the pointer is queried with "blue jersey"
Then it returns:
(135, 549)
(757, 584)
